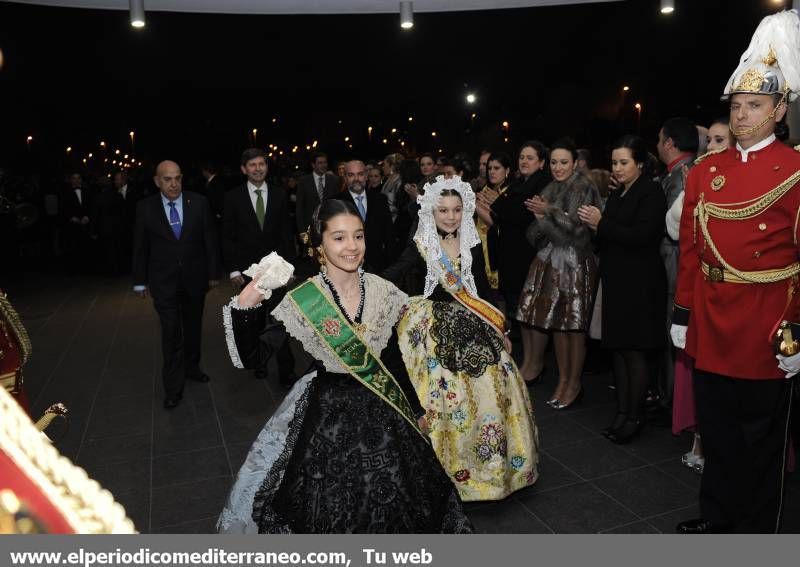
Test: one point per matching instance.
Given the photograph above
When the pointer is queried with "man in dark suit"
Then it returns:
(374, 210)
(314, 188)
(215, 190)
(256, 219)
(256, 222)
(114, 217)
(76, 216)
(175, 255)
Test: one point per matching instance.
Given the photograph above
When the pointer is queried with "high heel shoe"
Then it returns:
(619, 421)
(539, 379)
(628, 432)
(559, 405)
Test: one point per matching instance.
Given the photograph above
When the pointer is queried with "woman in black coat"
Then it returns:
(634, 281)
(510, 253)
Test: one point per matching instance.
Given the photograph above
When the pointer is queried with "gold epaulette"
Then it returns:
(711, 153)
(11, 317)
(84, 504)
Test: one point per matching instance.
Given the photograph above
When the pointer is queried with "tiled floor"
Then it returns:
(96, 348)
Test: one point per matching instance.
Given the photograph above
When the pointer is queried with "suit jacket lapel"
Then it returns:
(272, 210)
(188, 214)
(161, 215)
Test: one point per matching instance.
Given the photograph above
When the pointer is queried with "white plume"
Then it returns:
(781, 33)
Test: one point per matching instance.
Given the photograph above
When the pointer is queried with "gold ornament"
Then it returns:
(750, 82)
(770, 59)
(717, 183)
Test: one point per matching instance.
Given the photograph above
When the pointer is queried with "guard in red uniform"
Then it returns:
(738, 267)
(15, 349)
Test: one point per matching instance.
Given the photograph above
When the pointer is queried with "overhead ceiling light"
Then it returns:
(137, 13)
(471, 98)
(406, 15)
(667, 6)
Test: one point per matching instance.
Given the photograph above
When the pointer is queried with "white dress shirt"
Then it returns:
(755, 147)
(251, 190)
(363, 201)
(123, 191)
(317, 179)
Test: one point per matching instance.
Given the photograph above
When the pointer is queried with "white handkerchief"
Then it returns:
(270, 273)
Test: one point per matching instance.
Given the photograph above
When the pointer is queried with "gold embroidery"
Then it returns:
(717, 183)
(711, 153)
(750, 82)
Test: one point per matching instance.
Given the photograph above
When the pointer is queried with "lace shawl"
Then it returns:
(237, 515)
(382, 305)
(427, 237)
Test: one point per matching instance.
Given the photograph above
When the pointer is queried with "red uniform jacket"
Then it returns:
(730, 323)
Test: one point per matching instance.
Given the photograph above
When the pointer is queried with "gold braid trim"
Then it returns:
(753, 207)
(710, 153)
(87, 507)
(8, 313)
(703, 212)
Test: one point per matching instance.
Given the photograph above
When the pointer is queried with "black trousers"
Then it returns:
(744, 424)
(181, 328)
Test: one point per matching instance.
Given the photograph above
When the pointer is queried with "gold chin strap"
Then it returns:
(748, 131)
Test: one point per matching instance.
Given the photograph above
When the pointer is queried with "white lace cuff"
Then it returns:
(227, 322)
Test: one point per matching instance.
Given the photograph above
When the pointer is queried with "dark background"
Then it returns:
(193, 86)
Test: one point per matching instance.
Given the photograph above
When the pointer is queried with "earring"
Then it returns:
(322, 259)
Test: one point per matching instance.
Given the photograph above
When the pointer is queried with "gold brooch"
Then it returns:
(717, 182)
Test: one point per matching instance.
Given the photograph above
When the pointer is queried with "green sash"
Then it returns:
(343, 341)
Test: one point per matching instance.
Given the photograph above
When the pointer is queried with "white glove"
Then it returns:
(678, 335)
(789, 364)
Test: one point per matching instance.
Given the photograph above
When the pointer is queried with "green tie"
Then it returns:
(260, 208)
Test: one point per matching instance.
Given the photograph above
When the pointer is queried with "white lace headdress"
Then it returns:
(427, 237)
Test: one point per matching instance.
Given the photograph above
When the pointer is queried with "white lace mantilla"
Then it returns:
(237, 516)
(382, 305)
(427, 237)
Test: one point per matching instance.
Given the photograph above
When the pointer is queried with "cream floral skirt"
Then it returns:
(481, 420)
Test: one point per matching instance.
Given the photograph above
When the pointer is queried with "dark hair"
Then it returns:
(427, 155)
(537, 146)
(466, 166)
(566, 144)
(637, 147)
(683, 133)
(409, 172)
(209, 166)
(451, 193)
(324, 212)
(443, 161)
(724, 120)
(585, 155)
(252, 153)
(316, 155)
(502, 157)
